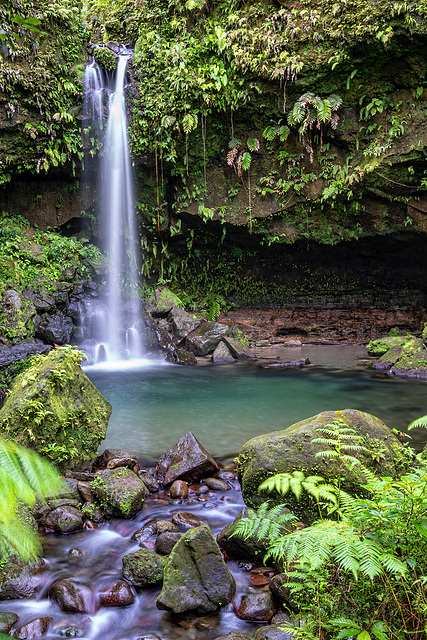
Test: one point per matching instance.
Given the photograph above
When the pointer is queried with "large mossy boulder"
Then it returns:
(400, 356)
(292, 449)
(380, 346)
(120, 491)
(195, 576)
(54, 408)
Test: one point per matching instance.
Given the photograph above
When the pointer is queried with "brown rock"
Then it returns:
(259, 607)
(179, 489)
(116, 594)
(188, 520)
(185, 460)
(33, 630)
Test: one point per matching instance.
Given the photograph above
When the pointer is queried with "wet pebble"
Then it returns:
(259, 607)
(202, 490)
(188, 520)
(215, 484)
(72, 596)
(165, 525)
(165, 542)
(116, 594)
(179, 489)
(7, 620)
(33, 630)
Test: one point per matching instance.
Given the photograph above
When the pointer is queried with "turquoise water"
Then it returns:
(226, 405)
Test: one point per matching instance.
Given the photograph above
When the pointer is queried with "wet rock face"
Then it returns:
(33, 630)
(18, 580)
(56, 329)
(116, 594)
(185, 460)
(182, 322)
(121, 490)
(143, 569)
(65, 519)
(196, 577)
(7, 620)
(72, 596)
(258, 607)
(206, 337)
(166, 541)
(113, 458)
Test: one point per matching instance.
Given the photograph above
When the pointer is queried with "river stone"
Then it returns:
(179, 489)
(206, 337)
(234, 635)
(388, 359)
(121, 489)
(215, 484)
(72, 596)
(116, 594)
(291, 449)
(238, 349)
(18, 579)
(274, 632)
(222, 354)
(113, 458)
(259, 607)
(238, 547)
(186, 519)
(166, 541)
(33, 630)
(143, 569)
(185, 460)
(85, 491)
(181, 356)
(68, 407)
(56, 329)
(182, 322)
(145, 532)
(165, 525)
(65, 519)
(196, 577)
(279, 588)
(7, 620)
(380, 346)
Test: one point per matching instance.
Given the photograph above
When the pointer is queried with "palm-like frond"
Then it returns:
(24, 477)
(419, 423)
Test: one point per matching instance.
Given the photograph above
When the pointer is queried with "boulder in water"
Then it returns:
(18, 579)
(65, 519)
(121, 490)
(54, 408)
(143, 569)
(72, 596)
(116, 594)
(238, 349)
(206, 337)
(185, 460)
(258, 607)
(34, 629)
(196, 577)
(7, 620)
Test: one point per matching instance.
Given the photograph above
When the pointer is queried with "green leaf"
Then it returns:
(421, 527)
(363, 635)
(246, 161)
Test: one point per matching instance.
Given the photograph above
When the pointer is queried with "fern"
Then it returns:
(419, 423)
(296, 482)
(266, 522)
(24, 478)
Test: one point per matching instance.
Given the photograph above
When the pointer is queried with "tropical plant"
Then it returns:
(25, 477)
(378, 541)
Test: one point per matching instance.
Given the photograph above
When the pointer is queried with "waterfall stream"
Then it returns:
(114, 327)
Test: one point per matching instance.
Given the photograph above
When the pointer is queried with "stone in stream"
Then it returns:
(165, 525)
(291, 449)
(215, 484)
(181, 356)
(280, 590)
(195, 576)
(33, 630)
(234, 635)
(65, 519)
(187, 520)
(166, 541)
(121, 490)
(238, 349)
(112, 458)
(259, 607)
(145, 533)
(301, 362)
(72, 596)
(275, 632)
(143, 569)
(18, 579)
(7, 620)
(179, 489)
(116, 594)
(150, 480)
(222, 354)
(239, 547)
(185, 460)
(206, 337)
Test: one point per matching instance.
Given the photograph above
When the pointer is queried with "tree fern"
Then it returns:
(24, 478)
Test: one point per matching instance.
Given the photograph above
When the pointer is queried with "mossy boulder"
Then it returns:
(195, 577)
(161, 302)
(54, 408)
(382, 345)
(144, 568)
(412, 361)
(120, 491)
(292, 449)
(105, 58)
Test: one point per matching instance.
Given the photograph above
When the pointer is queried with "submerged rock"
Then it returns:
(67, 414)
(291, 449)
(185, 460)
(196, 577)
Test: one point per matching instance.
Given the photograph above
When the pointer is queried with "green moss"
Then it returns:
(105, 58)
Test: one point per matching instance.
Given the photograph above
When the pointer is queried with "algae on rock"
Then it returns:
(53, 408)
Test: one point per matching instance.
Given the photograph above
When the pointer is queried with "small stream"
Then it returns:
(154, 404)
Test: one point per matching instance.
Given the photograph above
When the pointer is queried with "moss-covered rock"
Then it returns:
(120, 491)
(292, 449)
(144, 568)
(380, 346)
(55, 409)
(105, 58)
(196, 578)
(412, 361)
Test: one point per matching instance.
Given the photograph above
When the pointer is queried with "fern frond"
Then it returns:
(419, 423)
(393, 565)
(370, 558)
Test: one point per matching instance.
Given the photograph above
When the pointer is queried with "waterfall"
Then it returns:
(119, 334)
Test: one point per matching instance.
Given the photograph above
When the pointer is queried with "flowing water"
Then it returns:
(224, 405)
